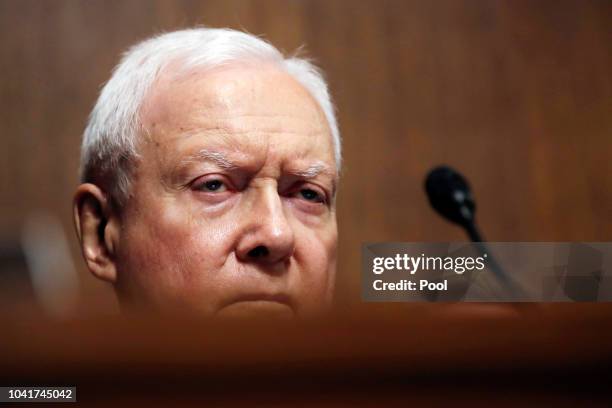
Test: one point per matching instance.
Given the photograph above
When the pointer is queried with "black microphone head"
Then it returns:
(449, 194)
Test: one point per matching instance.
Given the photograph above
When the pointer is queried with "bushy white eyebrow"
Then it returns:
(222, 161)
(313, 171)
(207, 155)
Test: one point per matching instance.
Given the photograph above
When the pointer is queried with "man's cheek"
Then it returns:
(317, 282)
(151, 246)
(214, 241)
(329, 246)
(319, 260)
(323, 247)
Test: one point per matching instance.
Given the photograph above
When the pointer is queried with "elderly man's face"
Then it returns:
(232, 206)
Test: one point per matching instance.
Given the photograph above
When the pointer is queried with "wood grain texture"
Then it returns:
(515, 94)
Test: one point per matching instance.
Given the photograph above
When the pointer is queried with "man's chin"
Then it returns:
(255, 308)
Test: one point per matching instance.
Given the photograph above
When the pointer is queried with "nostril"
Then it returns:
(259, 251)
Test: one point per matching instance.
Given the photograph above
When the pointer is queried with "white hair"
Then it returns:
(110, 140)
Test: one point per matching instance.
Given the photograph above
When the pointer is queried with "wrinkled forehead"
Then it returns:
(257, 115)
(233, 99)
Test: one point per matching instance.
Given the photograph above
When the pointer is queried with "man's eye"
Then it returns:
(216, 186)
(311, 195)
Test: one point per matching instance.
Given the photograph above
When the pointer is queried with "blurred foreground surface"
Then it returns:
(376, 355)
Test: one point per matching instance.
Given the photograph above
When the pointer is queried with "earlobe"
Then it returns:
(97, 229)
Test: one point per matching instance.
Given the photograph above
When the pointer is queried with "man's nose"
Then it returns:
(267, 237)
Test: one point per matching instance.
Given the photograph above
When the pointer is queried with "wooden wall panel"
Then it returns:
(516, 94)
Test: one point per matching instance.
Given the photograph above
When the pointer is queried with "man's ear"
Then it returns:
(97, 227)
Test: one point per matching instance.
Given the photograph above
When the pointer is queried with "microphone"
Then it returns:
(450, 195)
